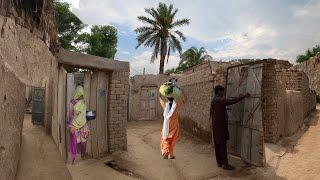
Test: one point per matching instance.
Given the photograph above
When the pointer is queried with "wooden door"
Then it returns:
(70, 89)
(87, 92)
(102, 113)
(236, 84)
(252, 150)
(144, 108)
(93, 107)
(96, 86)
(62, 112)
(148, 99)
(153, 102)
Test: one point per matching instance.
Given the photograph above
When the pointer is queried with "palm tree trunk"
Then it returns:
(161, 68)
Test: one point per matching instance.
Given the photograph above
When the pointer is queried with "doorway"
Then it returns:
(149, 104)
(245, 118)
(96, 84)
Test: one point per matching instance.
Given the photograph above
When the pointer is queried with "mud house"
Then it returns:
(29, 56)
(281, 100)
(106, 84)
(144, 98)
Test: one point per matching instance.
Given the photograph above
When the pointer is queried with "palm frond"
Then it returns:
(147, 20)
(206, 58)
(181, 35)
(174, 13)
(152, 12)
(181, 22)
(144, 29)
(143, 37)
(155, 51)
(168, 55)
(176, 43)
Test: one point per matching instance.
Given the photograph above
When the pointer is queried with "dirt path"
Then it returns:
(298, 159)
(40, 159)
(303, 161)
(194, 159)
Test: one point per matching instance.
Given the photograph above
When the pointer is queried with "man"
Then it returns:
(219, 118)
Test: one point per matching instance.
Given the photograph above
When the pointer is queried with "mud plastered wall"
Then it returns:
(29, 58)
(312, 68)
(12, 94)
(136, 84)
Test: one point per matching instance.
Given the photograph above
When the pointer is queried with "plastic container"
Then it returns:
(170, 89)
(91, 115)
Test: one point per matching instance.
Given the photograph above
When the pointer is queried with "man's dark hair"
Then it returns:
(218, 89)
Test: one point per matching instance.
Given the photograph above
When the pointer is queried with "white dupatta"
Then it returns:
(166, 118)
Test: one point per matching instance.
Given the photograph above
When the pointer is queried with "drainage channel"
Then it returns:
(112, 164)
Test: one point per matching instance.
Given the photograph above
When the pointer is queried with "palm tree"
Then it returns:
(160, 32)
(194, 56)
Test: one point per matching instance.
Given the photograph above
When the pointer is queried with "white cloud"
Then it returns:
(277, 29)
(143, 61)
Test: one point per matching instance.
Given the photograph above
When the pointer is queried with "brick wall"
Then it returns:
(118, 111)
(287, 100)
(198, 84)
(198, 87)
(312, 68)
(136, 83)
(270, 99)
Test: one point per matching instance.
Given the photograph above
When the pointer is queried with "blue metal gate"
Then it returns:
(38, 106)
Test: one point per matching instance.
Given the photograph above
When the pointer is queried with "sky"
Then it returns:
(229, 29)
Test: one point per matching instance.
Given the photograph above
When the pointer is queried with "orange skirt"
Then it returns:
(168, 144)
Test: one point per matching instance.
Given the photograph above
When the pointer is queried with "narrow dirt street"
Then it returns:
(40, 159)
(194, 159)
(297, 158)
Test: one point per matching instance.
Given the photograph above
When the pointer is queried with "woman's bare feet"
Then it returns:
(165, 156)
(173, 157)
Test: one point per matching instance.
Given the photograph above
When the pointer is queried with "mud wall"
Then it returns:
(12, 100)
(287, 100)
(35, 15)
(136, 83)
(29, 58)
(198, 84)
(27, 34)
(312, 69)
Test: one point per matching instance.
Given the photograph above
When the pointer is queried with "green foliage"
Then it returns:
(160, 32)
(189, 58)
(308, 54)
(68, 24)
(102, 41)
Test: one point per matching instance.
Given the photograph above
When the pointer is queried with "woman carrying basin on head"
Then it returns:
(77, 123)
(172, 100)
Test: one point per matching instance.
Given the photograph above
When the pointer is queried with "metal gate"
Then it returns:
(245, 118)
(38, 106)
